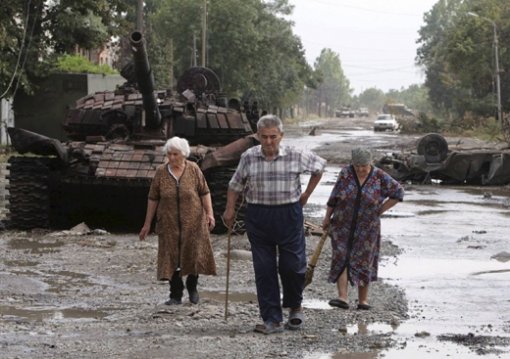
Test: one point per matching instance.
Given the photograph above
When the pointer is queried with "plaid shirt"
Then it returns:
(277, 181)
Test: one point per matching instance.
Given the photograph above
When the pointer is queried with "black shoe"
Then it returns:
(173, 301)
(193, 297)
(339, 303)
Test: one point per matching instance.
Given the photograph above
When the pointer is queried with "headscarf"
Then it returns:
(361, 156)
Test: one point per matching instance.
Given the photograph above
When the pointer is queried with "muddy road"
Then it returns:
(444, 286)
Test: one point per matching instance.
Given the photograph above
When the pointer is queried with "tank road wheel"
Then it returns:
(217, 180)
(434, 147)
(29, 192)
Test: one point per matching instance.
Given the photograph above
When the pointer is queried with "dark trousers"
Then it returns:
(177, 285)
(277, 239)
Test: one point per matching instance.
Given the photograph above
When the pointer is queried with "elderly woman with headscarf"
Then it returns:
(362, 193)
(181, 201)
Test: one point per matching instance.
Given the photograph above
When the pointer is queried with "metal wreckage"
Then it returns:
(103, 173)
(434, 161)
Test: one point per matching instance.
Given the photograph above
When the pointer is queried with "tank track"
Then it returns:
(41, 195)
(29, 192)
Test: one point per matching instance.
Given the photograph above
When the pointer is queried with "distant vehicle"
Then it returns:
(363, 112)
(433, 160)
(398, 110)
(385, 122)
(344, 112)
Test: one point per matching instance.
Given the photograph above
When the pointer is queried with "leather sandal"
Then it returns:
(339, 303)
(269, 328)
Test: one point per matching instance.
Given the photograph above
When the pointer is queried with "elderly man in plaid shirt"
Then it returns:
(269, 176)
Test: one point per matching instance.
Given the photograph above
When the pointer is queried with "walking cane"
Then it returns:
(230, 230)
(228, 270)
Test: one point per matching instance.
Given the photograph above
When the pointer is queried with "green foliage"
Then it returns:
(458, 53)
(79, 64)
(426, 124)
(249, 45)
(334, 90)
(372, 98)
(32, 32)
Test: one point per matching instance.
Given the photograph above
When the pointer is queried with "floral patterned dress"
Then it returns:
(355, 224)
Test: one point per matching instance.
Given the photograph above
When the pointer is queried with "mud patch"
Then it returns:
(480, 344)
(36, 246)
(430, 212)
(492, 272)
(232, 297)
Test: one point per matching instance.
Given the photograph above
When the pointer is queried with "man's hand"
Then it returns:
(228, 217)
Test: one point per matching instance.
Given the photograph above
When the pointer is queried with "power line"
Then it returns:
(26, 50)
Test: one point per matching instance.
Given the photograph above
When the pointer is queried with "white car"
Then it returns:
(386, 122)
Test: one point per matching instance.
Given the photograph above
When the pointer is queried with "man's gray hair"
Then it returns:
(270, 121)
(179, 144)
(361, 156)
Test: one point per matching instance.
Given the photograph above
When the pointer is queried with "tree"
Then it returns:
(34, 33)
(249, 45)
(456, 51)
(372, 98)
(414, 97)
(334, 90)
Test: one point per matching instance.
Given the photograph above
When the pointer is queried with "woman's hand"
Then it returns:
(325, 222)
(144, 232)
(211, 221)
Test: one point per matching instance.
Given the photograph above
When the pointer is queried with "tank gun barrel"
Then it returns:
(145, 80)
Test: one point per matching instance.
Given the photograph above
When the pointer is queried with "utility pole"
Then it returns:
(204, 29)
(171, 67)
(498, 81)
(496, 63)
(194, 52)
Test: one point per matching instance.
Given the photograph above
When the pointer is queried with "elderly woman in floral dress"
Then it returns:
(362, 193)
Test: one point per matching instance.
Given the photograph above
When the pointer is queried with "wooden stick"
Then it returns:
(228, 271)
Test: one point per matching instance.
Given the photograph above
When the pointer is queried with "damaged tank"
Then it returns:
(101, 176)
(433, 160)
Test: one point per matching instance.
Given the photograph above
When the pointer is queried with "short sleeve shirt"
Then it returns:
(276, 181)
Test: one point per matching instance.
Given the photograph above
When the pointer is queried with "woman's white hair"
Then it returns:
(179, 144)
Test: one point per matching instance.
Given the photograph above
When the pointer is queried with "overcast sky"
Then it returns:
(375, 39)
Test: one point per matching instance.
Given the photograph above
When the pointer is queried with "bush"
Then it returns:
(420, 124)
(79, 64)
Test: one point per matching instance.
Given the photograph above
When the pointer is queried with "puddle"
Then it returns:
(22, 279)
(60, 281)
(316, 304)
(232, 296)
(11, 313)
(370, 329)
(367, 355)
(35, 246)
